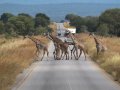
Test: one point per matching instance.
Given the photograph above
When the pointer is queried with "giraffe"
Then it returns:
(77, 46)
(99, 46)
(39, 46)
(81, 48)
(56, 42)
(59, 46)
(64, 47)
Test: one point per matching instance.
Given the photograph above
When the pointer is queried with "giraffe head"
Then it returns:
(47, 35)
(91, 34)
(67, 33)
(25, 37)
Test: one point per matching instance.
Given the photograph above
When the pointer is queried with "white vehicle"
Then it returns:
(69, 41)
(72, 30)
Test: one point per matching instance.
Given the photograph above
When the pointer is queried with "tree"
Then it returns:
(40, 30)
(70, 17)
(22, 24)
(76, 21)
(8, 27)
(1, 27)
(41, 20)
(103, 30)
(24, 14)
(5, 17)
(83, 28)
(91, 23)
(111, 17)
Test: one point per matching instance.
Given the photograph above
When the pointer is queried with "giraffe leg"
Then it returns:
(54, 53)
(68, 55)
(80, 53)
(97, 50)
(76, 53)
(37, 52)
(75, 50)
(43, 55)
(61, 54)
(72, 52)
(84, 54)
(47, 53)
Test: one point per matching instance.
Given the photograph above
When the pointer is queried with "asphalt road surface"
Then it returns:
(51, 74)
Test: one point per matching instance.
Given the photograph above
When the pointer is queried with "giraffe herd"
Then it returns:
(62, 48)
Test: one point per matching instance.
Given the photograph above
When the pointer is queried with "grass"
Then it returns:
(53, 26)
(15, 55)
(110, 60)
(67, 25)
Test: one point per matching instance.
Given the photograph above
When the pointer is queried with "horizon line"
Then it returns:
(61, 3)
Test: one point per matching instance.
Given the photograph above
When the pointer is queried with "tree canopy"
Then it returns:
(23, 24)
(108, 23)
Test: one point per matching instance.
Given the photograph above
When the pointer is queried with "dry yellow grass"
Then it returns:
(67, 25)
(53, 26)
(110, 60)
(15, 55)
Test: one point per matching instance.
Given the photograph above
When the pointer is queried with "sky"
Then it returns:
(56, 1)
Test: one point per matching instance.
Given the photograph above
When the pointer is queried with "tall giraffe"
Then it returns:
(77, 46)
(56, 42)
(39, 46)
(99, 46)
(60, 46)
(64, 47)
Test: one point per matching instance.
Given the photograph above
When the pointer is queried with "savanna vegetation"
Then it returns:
(107, 24)
(23, 24)
(107, 29)
(17, 53)
(109, 60)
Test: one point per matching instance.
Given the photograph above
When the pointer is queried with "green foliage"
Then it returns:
(103, 30)
(23, 24)
(40, 30)
(75, 20)
(70, 17)
(108, 23)
(111, 17)
(1, 27)
(81, 29)
(5, 17)
(91, 23)
(41, 20)
(24, 14)
(7, 28)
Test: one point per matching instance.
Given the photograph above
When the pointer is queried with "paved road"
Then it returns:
(67, 75)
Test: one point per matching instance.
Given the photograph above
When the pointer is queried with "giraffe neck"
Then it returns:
(73, 38)
(51, 37)
(31, 39)
(36, 41)
(96, 40)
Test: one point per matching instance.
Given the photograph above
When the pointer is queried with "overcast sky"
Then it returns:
(56, 1)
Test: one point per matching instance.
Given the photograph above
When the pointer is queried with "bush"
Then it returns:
(103, 30)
